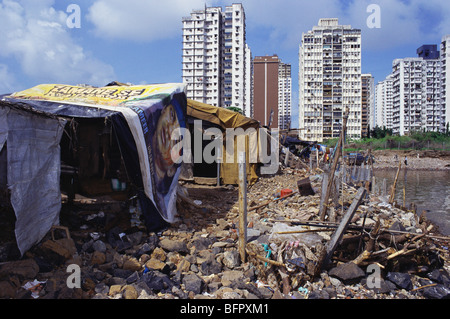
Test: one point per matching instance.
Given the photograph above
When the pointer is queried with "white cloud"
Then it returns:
(282, 21)
(36, 35)
(287, 19)
(140, 20)
(7, 80)
(402, 22)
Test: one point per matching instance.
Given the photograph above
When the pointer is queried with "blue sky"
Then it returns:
(139, 41)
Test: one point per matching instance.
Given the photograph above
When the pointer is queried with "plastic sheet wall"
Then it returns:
(33, 170)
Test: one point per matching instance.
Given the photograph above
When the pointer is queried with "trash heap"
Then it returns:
(385, 252)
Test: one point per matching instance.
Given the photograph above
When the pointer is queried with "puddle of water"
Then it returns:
(429, 190)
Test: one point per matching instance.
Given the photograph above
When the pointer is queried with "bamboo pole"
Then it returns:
(242, 205)
(392, 197)
(337, 154)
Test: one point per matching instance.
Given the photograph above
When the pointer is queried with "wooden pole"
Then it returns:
(392, 197)
(242, 205)
(317, 157)
(337, 154)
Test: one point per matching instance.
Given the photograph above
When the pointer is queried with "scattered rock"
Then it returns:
(348, 272)
(174, 245)
(437, 292)
(231, 295)
(401, 280)
(7, 290)
(184, 265)
(98, 258)
(25, 269)
(100, 246)
(132, 264)
(114, 290)
(129, 292)
(230, 276)
(59, 250)
(440, 276)
(193, 283)
(202, 243)
(122, 273)
(156, 264)
(210, 267)
(134, 277)
(231, 259)
(157, 281)
(159, 253)
(265, 292)
(385, 286)
(134, 238)
(145, 249)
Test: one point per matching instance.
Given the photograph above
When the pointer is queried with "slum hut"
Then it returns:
(113, 140)
(223, 171)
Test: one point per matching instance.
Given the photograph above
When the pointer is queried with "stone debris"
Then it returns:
(197, 257)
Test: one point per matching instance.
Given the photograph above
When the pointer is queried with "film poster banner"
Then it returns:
(152, 114)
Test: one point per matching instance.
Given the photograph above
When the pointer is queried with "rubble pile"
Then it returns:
(385, 252)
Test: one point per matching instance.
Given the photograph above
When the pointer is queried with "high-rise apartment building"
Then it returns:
(409, 95)
(419, 93)
(284, 96)
(272, 92)
(330, 81)
(367, 101)
(202, 55)
(416, 94)
(382, 110)
(445, 79)
(434, 110)
(265, 90)
(248, 107)
(215, 57)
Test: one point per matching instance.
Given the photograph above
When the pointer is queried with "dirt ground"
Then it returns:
(419, 160)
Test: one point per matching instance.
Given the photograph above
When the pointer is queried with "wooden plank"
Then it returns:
(205, 180)
(337, 235)
(242, 206)
(337, 154)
